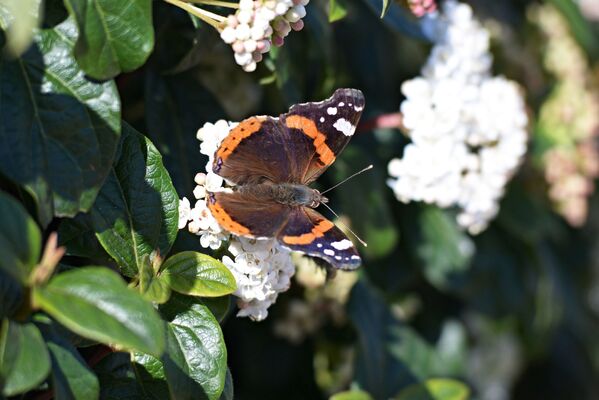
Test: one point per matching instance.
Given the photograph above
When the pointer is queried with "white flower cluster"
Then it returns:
(468, 128)
(259, 23)
(262, 268)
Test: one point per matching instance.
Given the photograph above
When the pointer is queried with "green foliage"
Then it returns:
(197, 274)
(112, 38)
(100, 102)
(44, 95)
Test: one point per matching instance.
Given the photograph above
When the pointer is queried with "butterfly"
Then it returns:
(272, 161)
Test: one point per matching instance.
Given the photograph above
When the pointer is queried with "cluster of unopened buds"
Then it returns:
(255, 26)
(259, 24)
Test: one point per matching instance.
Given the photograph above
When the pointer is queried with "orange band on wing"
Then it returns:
(307, 238)
(243, 130)
(308, 127)
(225, 220)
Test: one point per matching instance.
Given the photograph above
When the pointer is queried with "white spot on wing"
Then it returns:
(355, 257)
(358, 108)
(319, 245)
(337, 257)
(342, 244)
(332, 111)
(341, 104)
(321, 119)
(344, 126)
(329, 252)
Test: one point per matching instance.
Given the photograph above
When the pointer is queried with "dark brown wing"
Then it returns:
(309, 232)
(245, 215)
(329, 124)
(261, 149)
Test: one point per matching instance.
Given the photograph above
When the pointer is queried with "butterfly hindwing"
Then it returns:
(329, 124)
(307, 231)
(245, 215)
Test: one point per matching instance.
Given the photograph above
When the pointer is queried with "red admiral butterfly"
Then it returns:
(272, 160)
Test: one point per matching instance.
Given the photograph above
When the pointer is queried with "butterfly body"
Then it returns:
(272, 161)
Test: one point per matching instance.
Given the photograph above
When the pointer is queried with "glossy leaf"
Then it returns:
(114, 36)
(11, 294)
(71, 377)
(151, 288)
(435, 389)
(136, 212)
(20, 239)
(95, 303)
(195, 359)
(118, 379)
(58, 130)
(24, 359)
(228, 392)
(197, 274)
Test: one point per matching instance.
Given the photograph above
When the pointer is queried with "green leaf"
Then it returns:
(71, 377)
(197, 274)
(351, 395)
(95, 303)
(219, 306)
(118, 378)
(228, 392)
(114, 36)
(20, 239)
(337, 10)
(58, 130)
(445, 249)
(136, 212)
(11, 295)
(377, 371)
(195, 360)
(435, 389)
(24, 360)
(151, 288)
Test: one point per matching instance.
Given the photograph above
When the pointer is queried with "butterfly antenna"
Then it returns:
(347, 179)
(345, 226)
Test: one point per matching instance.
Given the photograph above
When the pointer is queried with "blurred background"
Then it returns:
(511, 312)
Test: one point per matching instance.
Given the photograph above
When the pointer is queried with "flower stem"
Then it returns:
(206, 16)
(215, 3)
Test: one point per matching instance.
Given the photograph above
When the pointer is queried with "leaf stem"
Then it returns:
(206, 16)
(215, 3)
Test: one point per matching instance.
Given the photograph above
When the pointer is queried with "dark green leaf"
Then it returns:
(118, 379)
(197, 274)
(228, 392)
(24, 360)
(445, 249)
(195, 360)
(150, 375)
(114, 36)
(80, 240)
(351, 395)
(377, 371)
(435, 389)
(337, 10)
(151, 288)
(20, 239)
(136, 212)
(95, 303)
(67, 125)
(11, 294)
(71, 377)
(219, 306)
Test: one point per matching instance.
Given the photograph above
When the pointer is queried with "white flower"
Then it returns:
(262, 268)
(468, 129)
(184, 211)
